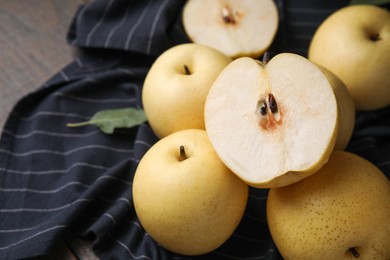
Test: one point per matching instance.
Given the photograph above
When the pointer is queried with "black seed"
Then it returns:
(272, 103)
(262, 107)
(263, 111)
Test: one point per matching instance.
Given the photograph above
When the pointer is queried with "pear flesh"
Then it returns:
(272, 123)
(236, 28)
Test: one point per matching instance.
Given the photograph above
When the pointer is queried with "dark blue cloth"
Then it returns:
(55, 179)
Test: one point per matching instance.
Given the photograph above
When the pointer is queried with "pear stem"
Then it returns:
(375, 37)
(354, 252)
(266, 57)
(187, 70)
(182, 155)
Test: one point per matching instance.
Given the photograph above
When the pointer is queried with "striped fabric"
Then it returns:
(55, 179)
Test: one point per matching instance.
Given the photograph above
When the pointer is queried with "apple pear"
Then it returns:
(176, 87)
(237, 28)
(340, 212)
(186, 199)
(346, 107)
(354, 44)
(272, 123)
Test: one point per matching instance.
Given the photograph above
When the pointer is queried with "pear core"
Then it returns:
(272, 123)
(236, 28)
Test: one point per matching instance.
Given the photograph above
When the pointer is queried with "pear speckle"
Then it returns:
(339, 212)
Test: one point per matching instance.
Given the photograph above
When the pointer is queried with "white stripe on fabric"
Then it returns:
(63, 74)
(128, 249)
(54, 171)
(72, 183)
(50, 113)
(92, 100)
(54, 152)
(116, 200)
(79, 62)
(81, 14)
(135, 26)
(90, 79)
(383, 164)
(116, 179)
(48, 133)
(135, 223)
(149, 130)
(125, 200)
(100, 197)
(44, 210)
(153, 29)
(99, 23)
(115, 28)
(143, 143)
(21, 229)
(127, 71)
(110, 217)
(33, 236)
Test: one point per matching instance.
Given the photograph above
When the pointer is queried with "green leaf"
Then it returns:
(371, 2)
(109, 120)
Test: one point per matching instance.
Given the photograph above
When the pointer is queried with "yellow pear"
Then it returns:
(346, 107)
(176, 87)
(272, 123)
(185, 197)
(340, 212)
(354, 43)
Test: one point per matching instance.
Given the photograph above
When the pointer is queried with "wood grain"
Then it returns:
(33, 48)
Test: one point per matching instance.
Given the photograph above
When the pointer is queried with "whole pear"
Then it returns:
(340, 212)
(185, 197)
(177, 84)
(346, 107)
(354, 43)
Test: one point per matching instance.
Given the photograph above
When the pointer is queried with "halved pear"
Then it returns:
(272, 123)
(347, 110)
(237, 28)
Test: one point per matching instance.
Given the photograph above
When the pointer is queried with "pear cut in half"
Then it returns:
(272, 123)
(236, 28)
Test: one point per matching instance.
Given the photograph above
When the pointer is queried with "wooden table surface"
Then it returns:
(33, 48)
